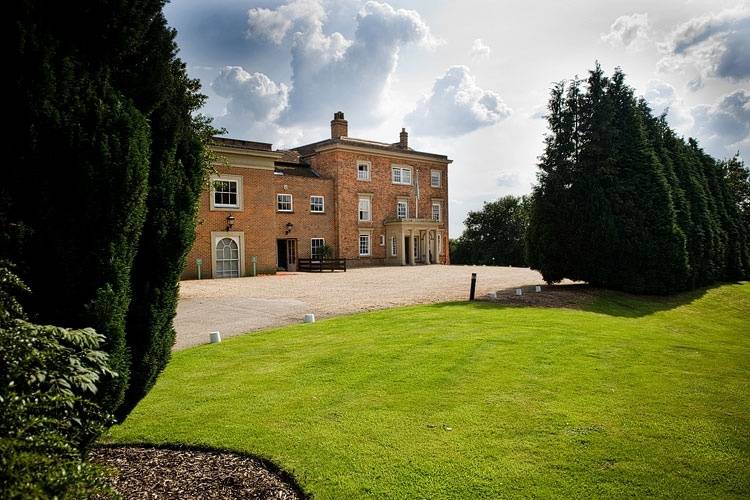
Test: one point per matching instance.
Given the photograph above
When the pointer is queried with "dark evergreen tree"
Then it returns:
(592, 218)
(550, 234)
(650, 253)
(737, 177)
(175, 181)
(108, 162)
(621, 202)
(80, 153)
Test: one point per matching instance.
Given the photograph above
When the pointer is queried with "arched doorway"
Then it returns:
(227, 258)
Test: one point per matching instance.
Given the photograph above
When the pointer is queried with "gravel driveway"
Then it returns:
(239, 305)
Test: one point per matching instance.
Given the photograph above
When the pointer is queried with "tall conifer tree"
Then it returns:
(108, 162)
(621, 202)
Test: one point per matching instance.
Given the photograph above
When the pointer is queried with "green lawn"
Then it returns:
(628, 397)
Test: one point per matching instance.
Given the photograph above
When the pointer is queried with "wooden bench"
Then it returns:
(320, 265)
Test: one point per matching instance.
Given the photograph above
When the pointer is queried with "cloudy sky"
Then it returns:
(468, 79)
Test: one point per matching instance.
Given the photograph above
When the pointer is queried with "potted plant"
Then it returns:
(325, 252)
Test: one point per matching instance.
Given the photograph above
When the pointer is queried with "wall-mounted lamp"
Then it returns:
(230, 222)
(289, 227)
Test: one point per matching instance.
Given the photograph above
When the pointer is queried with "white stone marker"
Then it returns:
(215, 337)
(309, 318)
(538, 289)
(519, 291)
(492, 295)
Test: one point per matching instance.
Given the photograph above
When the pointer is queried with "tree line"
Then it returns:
(494, 235)
(621, 201)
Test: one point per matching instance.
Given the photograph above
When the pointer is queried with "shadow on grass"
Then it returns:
(588, 298)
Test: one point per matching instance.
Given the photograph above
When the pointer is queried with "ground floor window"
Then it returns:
(364, 244)
(316, 244)
(227, 258)
(394, 246)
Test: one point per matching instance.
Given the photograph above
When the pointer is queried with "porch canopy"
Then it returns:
(417, 240)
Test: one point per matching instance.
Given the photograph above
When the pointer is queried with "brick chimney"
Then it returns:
(339, 126)
(403, 139)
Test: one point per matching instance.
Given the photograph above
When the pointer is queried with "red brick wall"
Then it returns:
(342, 165)
(262, 225)
(307, 224)
(260, 221)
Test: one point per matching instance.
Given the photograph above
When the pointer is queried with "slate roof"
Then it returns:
(309, 149)
(241, 144)
(298, 169)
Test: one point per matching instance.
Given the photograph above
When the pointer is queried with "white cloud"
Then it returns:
(330, 72)
(539, 112)
(254, 103)
(662, 97)
(724, 127)
(716, 45)
(630, 32)
(479, 50)
(274, 25)
(252, 96)
(456, 106)
(721, 128)
(507, 179)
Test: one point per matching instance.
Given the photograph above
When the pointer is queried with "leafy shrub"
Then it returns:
(325, 252)
(48, 376)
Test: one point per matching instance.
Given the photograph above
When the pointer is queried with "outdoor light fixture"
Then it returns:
(289, 227)
(230, 222)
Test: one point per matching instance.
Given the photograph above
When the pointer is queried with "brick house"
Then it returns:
(371, 203)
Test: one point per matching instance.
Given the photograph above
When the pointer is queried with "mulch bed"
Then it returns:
(158, 473)
(572, 296)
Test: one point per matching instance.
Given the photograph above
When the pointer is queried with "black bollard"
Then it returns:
(473, 285)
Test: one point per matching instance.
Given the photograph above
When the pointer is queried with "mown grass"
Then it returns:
(631, 397)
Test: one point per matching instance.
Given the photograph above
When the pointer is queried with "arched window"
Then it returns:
(227, 258)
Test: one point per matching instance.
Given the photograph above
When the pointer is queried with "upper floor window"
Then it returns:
(436, 212)
(363, 170)
(226, 192)
(284, 202)
(402, 209)
(435, 178)
(365, 206)
(317, 204)
(401, 175)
